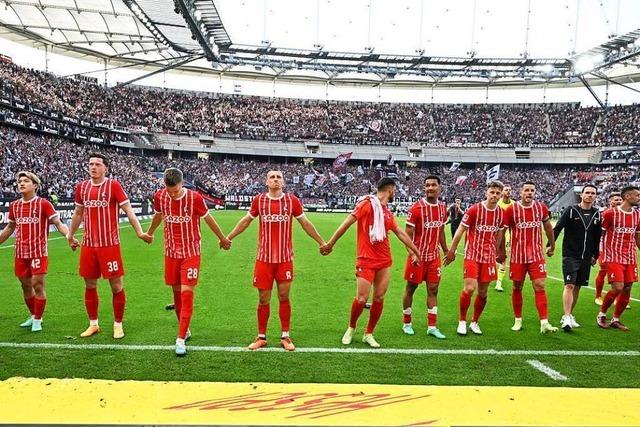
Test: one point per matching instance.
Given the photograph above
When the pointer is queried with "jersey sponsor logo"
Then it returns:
(177, 219)
(275, 218)
(27, 220)
(95, 204)
(528, 224)
(433, 224)
(624, 230)
(489, 228)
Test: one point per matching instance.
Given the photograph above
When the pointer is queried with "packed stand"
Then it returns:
(248, 117)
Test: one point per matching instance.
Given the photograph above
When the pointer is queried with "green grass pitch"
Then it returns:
(322, 292)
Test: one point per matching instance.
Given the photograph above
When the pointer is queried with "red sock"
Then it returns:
(478, 307)
(186, 311)
(602, 274)
(38, 307)
(118, 300)
(177, 302)
(356, 311)
(608, 300)
(374, 315)
(263, 318)
(621, 304)
(406, 318)
(30, 302)
(285, 315)
(465, 302)
(432, 316)
(516, 302)
(541, 304)
(91, 302)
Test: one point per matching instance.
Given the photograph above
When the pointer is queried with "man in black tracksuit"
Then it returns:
(580, 249)
(455, 215)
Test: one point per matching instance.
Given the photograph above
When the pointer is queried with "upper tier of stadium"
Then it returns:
(258, 118)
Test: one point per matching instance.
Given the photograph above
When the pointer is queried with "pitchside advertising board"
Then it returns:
(142, 208)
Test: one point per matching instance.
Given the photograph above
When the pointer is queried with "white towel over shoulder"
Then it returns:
(377, 232)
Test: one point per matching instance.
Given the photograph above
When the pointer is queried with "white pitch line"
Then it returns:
(551, 373)
(423, 351)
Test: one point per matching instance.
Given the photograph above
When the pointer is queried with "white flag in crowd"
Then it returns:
(454, 166)
(461, 179)
(493, 173)
(375, 125)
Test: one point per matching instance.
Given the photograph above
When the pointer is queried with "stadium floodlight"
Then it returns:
(585, 64)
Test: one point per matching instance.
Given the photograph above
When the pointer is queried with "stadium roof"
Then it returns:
(417, 41)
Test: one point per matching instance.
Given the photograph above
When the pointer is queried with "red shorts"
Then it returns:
(625, 273)
(367, 268)
(264, 273)
(536, 270)
(481, 271)
(27, 267)
(181, 271)
(105, 261)
(426, 271)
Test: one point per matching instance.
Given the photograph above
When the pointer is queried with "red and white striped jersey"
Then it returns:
(482, 225)
(276, 215)
(32, 220)
(101, 207)
(525, 223)
(428, 220)
(619, 229)
(182, 238)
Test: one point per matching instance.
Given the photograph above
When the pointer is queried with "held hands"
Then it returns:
(550, 251)
(326, 249)
(225, 244)
(594, 260)
(146, 237)
(415, 260)
(73, 242)
(449, 257)
(501, 257)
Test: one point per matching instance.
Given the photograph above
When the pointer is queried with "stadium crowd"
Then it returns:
(61, 163)
(250, 117)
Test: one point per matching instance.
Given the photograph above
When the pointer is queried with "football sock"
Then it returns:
(119, 300)
(186, 312)
(608, 300)
(284, 312)
(30, 303)
(516, 302)
(541, 303)
(406, 315)
(356, 311)
(263, 318)
(432, 316)
(374, 315)
(91, 302)
(38, 307)
(177, 302)
(621, 304)
(478, 307)
(602, 274)
(465, 302)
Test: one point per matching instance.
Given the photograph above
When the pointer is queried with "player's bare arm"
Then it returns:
(311, 230)
(408, 243)
(225, 243)
(133, 220)
(551, 241)
(7, 232)
(501, 254)
(156, 220)
(76, 220)
(242, 225)
(451, 253)
(409, 230)
(443, 241)
(62, 229)
(348, 222)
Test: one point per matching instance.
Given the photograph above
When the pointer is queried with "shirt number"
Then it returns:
(192, 273)
(112, 266)
(35, 263)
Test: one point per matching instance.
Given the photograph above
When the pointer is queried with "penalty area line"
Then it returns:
(414, 351)
(551, 373)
